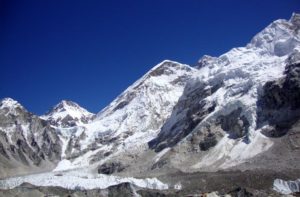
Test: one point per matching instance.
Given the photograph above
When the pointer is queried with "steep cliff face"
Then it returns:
(280, 102)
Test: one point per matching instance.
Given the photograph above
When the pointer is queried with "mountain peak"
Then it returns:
(9, 103)
(68, 113)
(11, 106)
(66, 104)
(168, 67)
(295, 19)
(279, 38)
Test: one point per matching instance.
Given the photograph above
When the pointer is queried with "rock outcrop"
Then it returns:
(280, 102)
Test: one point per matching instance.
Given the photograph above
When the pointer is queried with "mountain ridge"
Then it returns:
(228, 113)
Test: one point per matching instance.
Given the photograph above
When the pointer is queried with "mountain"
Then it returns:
(27, 143)
(224, 123)
(67, 114)
(131, 120)
(230, 120)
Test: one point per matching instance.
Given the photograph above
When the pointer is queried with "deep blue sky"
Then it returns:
(90, 51)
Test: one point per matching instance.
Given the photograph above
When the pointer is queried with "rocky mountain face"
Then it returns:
(27, 143)
(232, 113)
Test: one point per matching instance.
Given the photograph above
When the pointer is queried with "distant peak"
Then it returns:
(67, 114)
(64, 105)
(69, 106)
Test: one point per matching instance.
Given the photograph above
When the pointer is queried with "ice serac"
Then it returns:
(286, 187)
(68, 114)
(215, 125)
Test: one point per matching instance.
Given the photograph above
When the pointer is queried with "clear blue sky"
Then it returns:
(90, 51)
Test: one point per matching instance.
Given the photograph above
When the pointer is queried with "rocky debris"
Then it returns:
(159, 164)
(240, 192)
(206, 137)
(294, 139)
(208, 142)
(257, 182)
(271, 131)
(111, 167)
(153, 193)
(234, 124)
(100, 155)
(121, 190)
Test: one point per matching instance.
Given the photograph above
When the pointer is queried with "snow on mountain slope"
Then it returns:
(134, 117)
(146, 104)
(68, 114)
(217, 115)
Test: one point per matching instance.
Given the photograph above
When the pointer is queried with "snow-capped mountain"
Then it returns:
(217, 115)
(68, 114)
(234, 112)
(210, 116)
